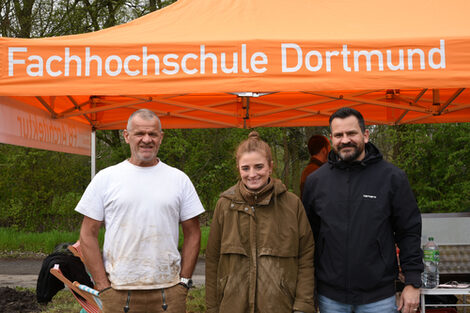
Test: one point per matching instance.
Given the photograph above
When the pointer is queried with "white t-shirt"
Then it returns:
(141, 208)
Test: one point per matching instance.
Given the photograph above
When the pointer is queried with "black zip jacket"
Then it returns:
(358, 211)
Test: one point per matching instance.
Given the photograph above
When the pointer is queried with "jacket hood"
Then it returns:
(373, 155)
(234, 193)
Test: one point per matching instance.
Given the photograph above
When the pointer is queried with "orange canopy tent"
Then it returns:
(253, 63)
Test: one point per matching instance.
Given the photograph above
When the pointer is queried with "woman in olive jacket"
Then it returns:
(259, 256)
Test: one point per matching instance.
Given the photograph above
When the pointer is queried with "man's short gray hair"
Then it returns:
(146, 115)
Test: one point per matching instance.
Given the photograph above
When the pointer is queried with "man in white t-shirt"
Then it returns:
(141, 202)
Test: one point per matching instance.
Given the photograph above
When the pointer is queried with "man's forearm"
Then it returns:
(189, 255)
(191, 246)
(91, 253)
(94, 262)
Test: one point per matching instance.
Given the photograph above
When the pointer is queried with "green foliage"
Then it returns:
(110, 148)
(39, 189)
(206, 156)
(204, 238)
(436, 158)
(45, 18)
(288, 146)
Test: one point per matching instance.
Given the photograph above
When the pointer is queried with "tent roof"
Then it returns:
(252, 63)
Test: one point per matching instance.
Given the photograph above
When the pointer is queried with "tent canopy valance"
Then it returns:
(249, 110)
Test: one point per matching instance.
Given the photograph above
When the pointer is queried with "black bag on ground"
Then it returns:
(71, 267)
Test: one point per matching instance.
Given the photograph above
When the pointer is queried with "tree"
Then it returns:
(45, 18)
(39, 189)
(436, 158)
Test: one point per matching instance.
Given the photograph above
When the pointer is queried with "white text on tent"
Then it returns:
(294, 60)
(134, 65)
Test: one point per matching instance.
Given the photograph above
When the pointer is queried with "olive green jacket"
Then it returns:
(259, 255)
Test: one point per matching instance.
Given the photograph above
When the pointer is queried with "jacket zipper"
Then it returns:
(256, 251)
(253, 257)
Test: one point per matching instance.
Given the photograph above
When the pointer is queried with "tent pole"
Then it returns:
(93, 153)
(246, 106)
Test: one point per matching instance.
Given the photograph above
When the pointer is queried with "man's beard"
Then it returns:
(350, 157)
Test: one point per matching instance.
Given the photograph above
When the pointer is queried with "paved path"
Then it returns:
(24, 272)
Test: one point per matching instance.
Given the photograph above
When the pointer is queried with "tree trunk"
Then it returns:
(24, 16)
(286, 158)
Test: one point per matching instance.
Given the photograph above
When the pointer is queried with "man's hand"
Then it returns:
(409, 300)
(102, 285)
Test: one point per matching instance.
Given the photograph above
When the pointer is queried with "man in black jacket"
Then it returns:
(359, 207)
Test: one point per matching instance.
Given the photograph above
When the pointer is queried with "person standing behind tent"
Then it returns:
(318, 147)
(359, 207)
(259, 255)
(141, 202)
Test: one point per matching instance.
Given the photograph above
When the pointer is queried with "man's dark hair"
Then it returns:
(347, 112)
(316, 143)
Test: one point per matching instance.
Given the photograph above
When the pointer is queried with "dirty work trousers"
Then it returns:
(167, 300)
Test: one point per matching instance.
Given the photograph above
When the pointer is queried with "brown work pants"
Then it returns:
(167, 300)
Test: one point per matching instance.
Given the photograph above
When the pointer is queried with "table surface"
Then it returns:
(445, 291)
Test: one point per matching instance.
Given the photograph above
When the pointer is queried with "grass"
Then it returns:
(64, 302)
(18, 244)
(196, 302)
(14, 243)
(204, 237)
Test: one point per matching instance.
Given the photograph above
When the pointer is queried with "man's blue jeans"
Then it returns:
(383, 306)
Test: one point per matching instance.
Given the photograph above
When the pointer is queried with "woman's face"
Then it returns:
(254, 169)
